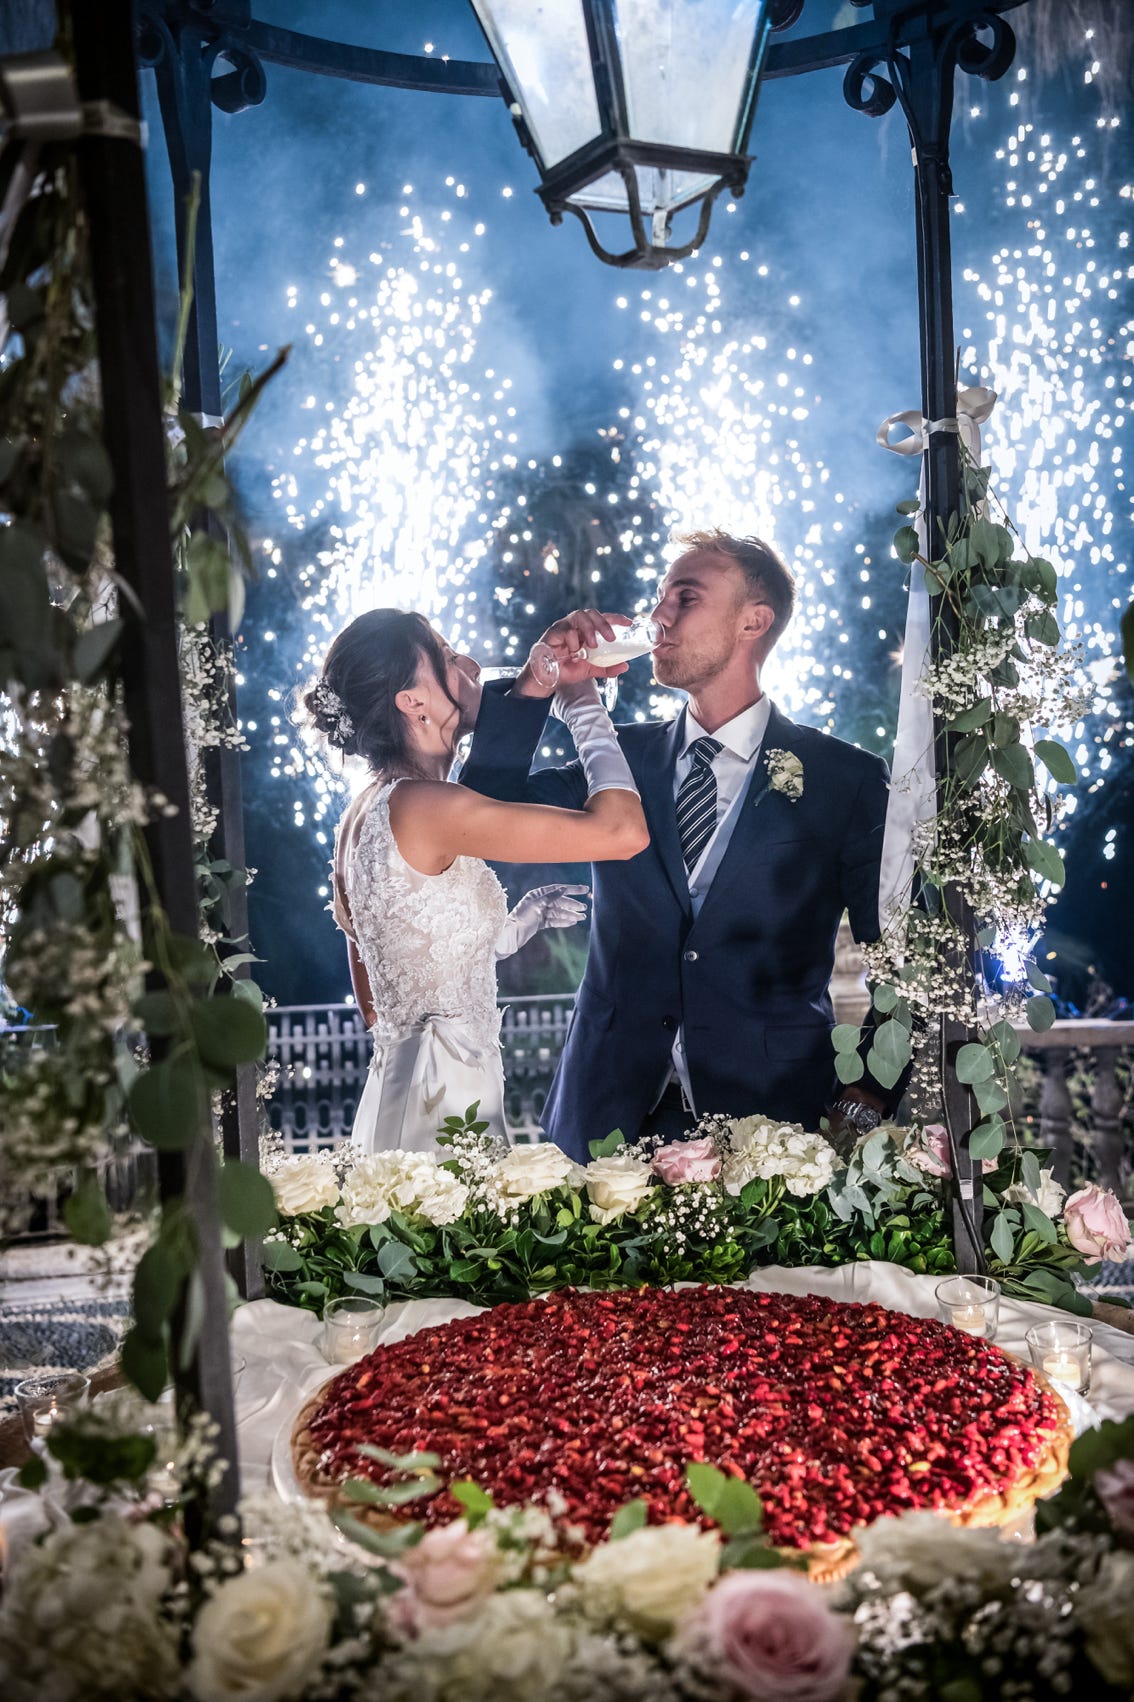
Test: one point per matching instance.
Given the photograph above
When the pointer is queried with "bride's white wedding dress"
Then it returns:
(428, 943)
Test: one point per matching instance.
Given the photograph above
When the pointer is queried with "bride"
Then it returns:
(424, 916)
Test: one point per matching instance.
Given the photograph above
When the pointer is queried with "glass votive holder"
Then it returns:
(350, 1328)
(49, 1399)
(970, 1303)
(1062, 1351)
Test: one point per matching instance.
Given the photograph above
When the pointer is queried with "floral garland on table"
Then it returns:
(501, 1606)
(987, 851)
(491, 1224)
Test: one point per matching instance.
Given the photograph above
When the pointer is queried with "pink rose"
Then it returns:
(1114, 1487)
(1097, 1226)
(448, 1573)
(687, 1161)
(931, 1153)
(770, 1637)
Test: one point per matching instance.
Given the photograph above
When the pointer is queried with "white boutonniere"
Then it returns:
(785, 774)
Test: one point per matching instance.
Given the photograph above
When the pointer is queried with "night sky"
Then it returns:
(808, 324)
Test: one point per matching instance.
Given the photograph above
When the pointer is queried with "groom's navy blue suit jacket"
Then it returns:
(748, 977)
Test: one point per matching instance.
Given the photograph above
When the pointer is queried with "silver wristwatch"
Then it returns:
(859, 1116)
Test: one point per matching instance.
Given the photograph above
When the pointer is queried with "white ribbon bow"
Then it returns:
(913, 785)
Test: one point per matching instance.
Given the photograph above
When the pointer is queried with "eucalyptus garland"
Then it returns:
(1003, 687)
(134, 1026)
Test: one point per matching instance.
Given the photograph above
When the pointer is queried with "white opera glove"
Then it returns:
(580, 709)
(543, 907)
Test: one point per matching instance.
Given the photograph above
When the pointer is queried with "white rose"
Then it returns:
(365, 1193)
(82, 1616)
(651, 1577)
(529, 1170)
(1104, 1612)
(616, 1185)
(261, 1637)
(1049, 1198)
(916, 1550)
(513, 1649)
(303, 1183)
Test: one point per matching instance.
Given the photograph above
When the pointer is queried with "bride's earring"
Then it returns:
(424, 719)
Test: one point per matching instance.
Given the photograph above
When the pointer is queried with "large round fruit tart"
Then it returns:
(836, 1414)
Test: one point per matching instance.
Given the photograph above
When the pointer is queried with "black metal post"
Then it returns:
(182, 54)
(114, 189)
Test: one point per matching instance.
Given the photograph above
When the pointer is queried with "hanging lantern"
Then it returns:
(634, 107)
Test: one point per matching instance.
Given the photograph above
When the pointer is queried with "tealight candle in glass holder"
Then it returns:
(350, 1328)
(970, 1303)
(1062, 1351)
(49, 1399)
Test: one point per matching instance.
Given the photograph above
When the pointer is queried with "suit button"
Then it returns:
(690, 956)
(669, 1023)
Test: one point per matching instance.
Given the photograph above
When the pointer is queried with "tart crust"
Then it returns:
(321, 1476)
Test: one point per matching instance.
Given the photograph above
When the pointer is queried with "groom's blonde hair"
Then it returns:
(767, 577)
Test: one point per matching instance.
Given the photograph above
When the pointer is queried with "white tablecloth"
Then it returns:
(285, 1365)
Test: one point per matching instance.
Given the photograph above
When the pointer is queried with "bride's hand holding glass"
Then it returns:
(568, 648)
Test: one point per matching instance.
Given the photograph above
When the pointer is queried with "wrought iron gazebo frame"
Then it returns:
(906, 53)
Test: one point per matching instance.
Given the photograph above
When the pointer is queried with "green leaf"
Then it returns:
(885, 997)
(1057, 761)
(989, 543)
(1040, 1013)
(392, 1495)
(1030, 1172)
(1039, 1221)
(83, 461)
(168, 1103)
(388, 1544)
(628, 1519)
(731, 1502)
(396, 1261)
(245, 1199)
(845, 1037)
(969, 719)
(1045, 580)
(909, 506)
(86, 1213)
(1002, 1240)
(1098, 1449)
(1044, 628)
(158, 1014)
(891, 1044)
(605, 1149)
(990, 1096)
(1037, 979)
(849, 1067)
(33, 1473)
(970, 759)
(1013, 764)
(281, 1256)
(228, 1031)
(94, 648)
(1043, 857)
(418, 1463)
(905, 543)
(1004, 1039)
(975, 1063)
(100, 1458)
(362, 1282)
(987, 1139)
(477, 1502)
(145, 1364)
(25, 601)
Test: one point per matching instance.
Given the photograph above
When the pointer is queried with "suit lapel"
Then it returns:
(759, 813)
(656, 784)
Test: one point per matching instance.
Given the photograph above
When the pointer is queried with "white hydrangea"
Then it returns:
(1049, 1198)
(804, 1162)
(410, 1182)
(82, 1616)
(649, 1578)
(515, 1648)
(304, 1182)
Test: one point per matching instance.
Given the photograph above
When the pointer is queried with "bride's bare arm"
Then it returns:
(433, 822)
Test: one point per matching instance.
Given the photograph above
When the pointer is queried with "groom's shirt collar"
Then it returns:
(742, 736)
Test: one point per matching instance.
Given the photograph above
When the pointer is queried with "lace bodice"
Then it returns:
(427, 941)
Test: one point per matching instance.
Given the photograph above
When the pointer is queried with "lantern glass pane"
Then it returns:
(541, 47)
(658, 190)
(685, 69)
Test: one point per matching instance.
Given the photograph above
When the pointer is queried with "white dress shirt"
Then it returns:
(733, 767)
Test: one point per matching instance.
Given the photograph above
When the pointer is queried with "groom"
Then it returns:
(706, 985)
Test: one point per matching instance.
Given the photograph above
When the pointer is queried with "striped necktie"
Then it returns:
(697, 802)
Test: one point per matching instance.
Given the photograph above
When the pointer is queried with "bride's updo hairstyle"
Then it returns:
(373, 659)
